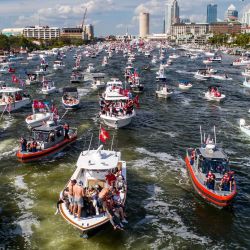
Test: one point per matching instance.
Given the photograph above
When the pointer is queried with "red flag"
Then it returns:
(104, 135)
(11, 70)
(15, 79)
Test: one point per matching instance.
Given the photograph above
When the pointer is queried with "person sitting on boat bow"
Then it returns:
(210, 180)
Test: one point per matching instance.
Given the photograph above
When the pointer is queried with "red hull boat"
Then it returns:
(208, 167)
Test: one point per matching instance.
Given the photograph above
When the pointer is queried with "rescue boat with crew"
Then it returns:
(47, 140)
(210, 174)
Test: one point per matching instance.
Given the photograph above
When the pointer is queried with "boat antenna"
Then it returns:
(204, 138)
(99, 141)
(112, 142)
(214, 136)
(201, 134)
(90, 142)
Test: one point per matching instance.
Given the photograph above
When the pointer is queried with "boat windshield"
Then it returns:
(219, 166)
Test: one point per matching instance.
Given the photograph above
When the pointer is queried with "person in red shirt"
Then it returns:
(110, 178)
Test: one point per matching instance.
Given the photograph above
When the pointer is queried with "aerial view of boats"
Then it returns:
(99, 124)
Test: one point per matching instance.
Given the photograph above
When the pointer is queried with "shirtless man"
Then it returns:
(70, 195)
(78, 193)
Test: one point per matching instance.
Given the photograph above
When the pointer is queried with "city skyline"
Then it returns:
(108, 16)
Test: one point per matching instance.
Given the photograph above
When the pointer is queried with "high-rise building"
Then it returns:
(232, 13)
(246, 17)
(175, 12)
(168, 17)
(41, 32)
(143, 24)
(211, 13)
(172, 14)
(89, 31)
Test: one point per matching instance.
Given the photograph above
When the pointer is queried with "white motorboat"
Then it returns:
(161, 75)
(32, 79)
(33, 56)
(98, 81)
(216, 59)
(92, 168)
(246, 83)
(246, 72)
(242, 61)
(207, 61)
(147, 53)
(90, 68)
(41, 114)
(12, 98)
(174, 56)
(202, 74)
(76, 77)
(213, 94)
(58, 65)
(48, 87)
(185, 85)
(164, 92)
(244, 128)
(70, 98)
(117, 107)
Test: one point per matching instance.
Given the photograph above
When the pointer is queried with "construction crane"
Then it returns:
(84, 17)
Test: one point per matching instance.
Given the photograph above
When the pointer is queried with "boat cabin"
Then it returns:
(48, 135)
(209, 157)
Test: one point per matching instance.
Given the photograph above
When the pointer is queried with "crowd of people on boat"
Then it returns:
(215, 92)
(93, 200)
(113, 108)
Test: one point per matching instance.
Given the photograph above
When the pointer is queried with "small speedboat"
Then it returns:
(104, 61)
(174, 56)
(76, 77)
(210, 174)
(244, 128)
(213, 94)
(202, 74)
(164, 92)
(70, 98)
(58, 65)
(48, 139)
(98, 81)
(246, 72)
(41, 114)
(160, 74)
(90, 68)
(246, 83)
(184, 85)
(48, 87)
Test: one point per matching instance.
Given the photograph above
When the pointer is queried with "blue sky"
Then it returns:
(107, 16)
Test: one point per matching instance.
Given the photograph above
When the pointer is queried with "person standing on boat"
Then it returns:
(78, 193)
(225, 182)
(71, 196)
(23, 144)
(66, 130)
(33, 146)
(210, 181)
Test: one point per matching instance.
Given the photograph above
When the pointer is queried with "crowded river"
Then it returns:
(163, 209)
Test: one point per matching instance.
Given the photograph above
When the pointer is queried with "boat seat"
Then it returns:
(93, 182)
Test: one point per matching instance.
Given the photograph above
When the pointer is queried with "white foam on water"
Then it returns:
(8, 147)
(82, 91)
(162, 211)
(186, 101)
(7, 122)
(171, 134)
(26, 220)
